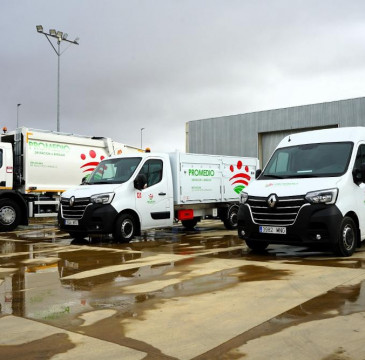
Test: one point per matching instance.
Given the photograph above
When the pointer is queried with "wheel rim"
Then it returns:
(127, 228)
(7, 215)
(348, 237)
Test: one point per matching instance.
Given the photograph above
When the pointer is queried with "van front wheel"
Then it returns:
(346, 239)
(125, 228)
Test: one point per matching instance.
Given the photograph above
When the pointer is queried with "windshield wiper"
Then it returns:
(272, 176)
(302, 176)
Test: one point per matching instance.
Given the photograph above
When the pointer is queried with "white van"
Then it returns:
(310, 192)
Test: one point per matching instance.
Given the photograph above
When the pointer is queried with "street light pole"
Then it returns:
(141, 136)
(17, 115)
(60, 36)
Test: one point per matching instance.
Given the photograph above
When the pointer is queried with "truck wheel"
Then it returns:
(189, 224)
(256, 245)
(9, 215)
(346, 239)
(125, 228)
(231, 222)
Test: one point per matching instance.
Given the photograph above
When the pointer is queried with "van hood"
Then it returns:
(290, 187)
(84, 191)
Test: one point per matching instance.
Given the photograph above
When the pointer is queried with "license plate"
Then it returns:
(272, 230)
(71, 222)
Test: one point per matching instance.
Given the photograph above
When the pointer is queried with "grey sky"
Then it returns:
(160, 63)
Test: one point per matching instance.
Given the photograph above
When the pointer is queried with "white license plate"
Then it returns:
(272, 230)
(71, 222)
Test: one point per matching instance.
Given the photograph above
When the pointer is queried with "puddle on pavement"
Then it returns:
(299, 255)
(340, 301)
(44, 348)
(34, 289)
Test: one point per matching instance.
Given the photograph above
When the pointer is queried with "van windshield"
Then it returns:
(310, 160)
(114, 171)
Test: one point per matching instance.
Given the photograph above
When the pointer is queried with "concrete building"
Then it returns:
(257, 134)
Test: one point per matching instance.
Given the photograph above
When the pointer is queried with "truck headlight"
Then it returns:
(322, 196)
(102, 198)
(243, 197)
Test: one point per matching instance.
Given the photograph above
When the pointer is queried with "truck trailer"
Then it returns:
(36, 166)
(125, 195)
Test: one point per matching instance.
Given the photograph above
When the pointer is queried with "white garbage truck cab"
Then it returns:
(312, 191)
(130, 193)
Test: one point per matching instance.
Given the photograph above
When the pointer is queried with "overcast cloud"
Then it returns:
(157, 64)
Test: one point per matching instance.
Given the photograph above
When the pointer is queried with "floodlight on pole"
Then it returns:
(60, 36)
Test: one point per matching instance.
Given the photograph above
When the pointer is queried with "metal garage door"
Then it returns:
(268, 141)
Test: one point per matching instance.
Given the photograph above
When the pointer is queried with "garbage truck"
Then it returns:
(125, 195)
(36, 166)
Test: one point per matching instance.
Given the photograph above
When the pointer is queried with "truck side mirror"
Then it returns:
(258, 173)
(140, 181)
(359, 174)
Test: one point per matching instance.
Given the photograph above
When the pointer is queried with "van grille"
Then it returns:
(77, 210)
(283, 214)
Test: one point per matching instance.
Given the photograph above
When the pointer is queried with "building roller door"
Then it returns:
(267, 142)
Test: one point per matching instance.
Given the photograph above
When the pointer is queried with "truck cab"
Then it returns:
(122, 195)
(311, 191)
(130, 193)
(6, 166)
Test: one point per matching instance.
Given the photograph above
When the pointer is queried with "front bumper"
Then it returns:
(315, 224)
(97, 219)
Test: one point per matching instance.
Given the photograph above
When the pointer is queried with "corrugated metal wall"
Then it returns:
(243, 134)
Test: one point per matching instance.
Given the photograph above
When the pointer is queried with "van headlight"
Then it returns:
(322, 196)
(243, 197)
(102, 198)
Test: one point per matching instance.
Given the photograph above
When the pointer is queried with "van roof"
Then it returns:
(353, 134)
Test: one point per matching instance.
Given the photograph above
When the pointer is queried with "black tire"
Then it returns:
(231, 223)
(125, 228)
(9, 215)
(257, 245)
(78, 236)
(346, 241)
(189, 224)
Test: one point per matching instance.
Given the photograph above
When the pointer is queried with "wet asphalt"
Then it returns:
(177, 294)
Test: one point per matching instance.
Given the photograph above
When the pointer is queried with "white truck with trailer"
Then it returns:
(312, 191)
(36, 166)
(128, 194)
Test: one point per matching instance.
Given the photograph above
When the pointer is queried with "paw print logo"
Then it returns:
(240, 179)
(91, 163)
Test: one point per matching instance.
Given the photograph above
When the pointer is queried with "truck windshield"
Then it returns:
(310, 160)
(114, 171)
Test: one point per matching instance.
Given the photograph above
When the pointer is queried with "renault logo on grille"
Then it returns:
(72, 201)
(271, 201)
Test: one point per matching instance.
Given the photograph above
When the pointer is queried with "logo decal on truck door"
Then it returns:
(241, 178)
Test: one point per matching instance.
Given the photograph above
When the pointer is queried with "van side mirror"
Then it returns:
(258, 173)
(83, 180)
(359, 174)
(140, 181)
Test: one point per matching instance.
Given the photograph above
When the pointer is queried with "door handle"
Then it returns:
(162, 193)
